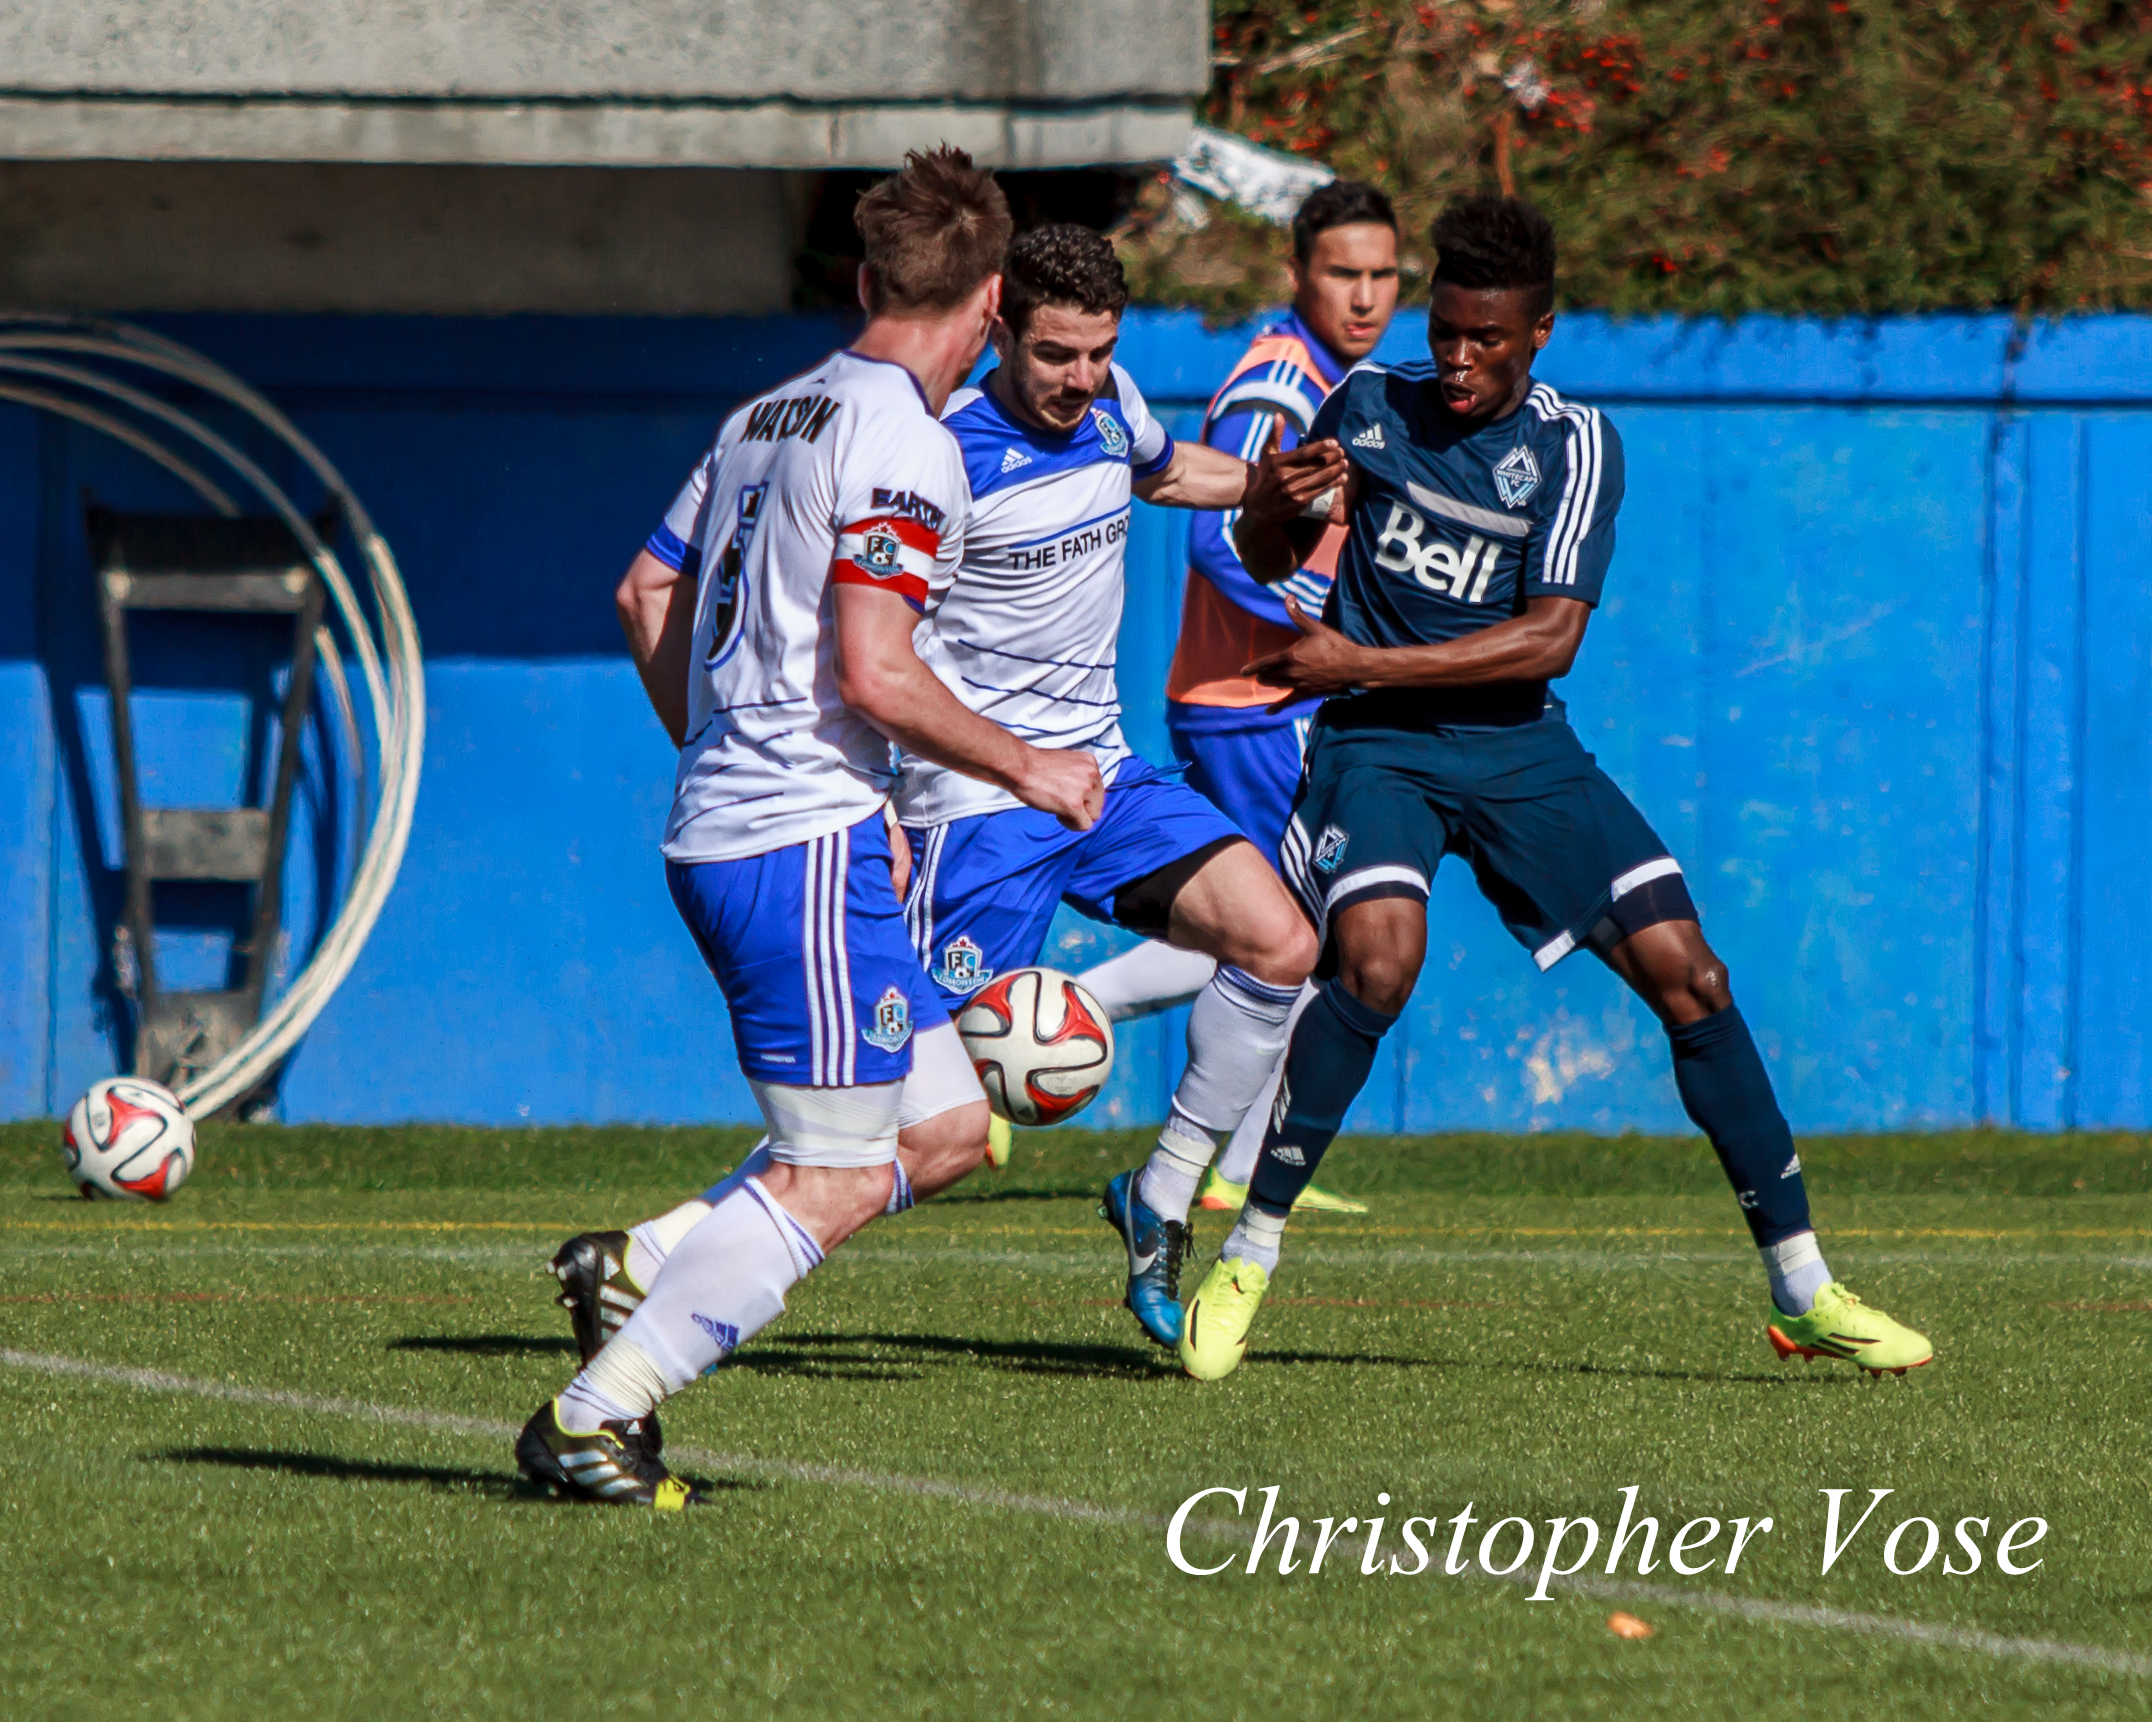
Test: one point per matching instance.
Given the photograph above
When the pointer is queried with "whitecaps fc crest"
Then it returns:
(892, 1023)
(1330, 849)
(963, 967)
(1110, 434)
(1517, 477)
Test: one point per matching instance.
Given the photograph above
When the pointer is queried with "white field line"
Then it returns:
(516, 1258)
(1085, 1512)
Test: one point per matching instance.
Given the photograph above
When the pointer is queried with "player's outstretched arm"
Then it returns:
(1201, 477)
(880, 676)
(656, 604)
(1289, 503)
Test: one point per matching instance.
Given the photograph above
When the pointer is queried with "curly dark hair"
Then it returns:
(1341, 203)
(1061, 264)
(1493, 241)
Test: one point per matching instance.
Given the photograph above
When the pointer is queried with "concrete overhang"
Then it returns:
(654, 83)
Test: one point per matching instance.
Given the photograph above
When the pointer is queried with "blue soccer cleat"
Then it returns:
(1155, 1250)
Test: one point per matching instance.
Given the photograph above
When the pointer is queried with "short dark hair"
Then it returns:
(1061, 264)
(1341, 203)
(933, 231)
(1491, 241)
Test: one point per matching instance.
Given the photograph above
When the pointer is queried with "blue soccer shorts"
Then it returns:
(1556, 847)
(809, 948)
(1249, 769)
(984, 888)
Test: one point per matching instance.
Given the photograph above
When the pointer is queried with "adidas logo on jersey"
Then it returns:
(1015, 458)
(1370, 438)
(1286, 1154)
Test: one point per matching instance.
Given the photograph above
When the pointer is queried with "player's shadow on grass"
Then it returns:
(848, 1356)
(1023, 1357)
(497, 1485)
(1704, 1377)
(488, 1344)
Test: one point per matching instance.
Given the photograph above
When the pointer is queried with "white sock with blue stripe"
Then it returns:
(723, 1284)
(1236, 1034)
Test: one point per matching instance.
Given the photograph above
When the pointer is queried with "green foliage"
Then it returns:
(1714, 156)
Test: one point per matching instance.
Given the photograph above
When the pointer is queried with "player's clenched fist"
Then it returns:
(1065, 784)
(1282, 485)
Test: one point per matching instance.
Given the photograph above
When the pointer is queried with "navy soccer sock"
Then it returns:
(1726, 1091)
(1326, 1066)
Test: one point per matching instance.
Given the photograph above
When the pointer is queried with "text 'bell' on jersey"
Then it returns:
(839, 477)
(1457, 525)
(1023, 629)
(1228, 618)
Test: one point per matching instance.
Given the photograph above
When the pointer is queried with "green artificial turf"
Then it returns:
(941, 1477)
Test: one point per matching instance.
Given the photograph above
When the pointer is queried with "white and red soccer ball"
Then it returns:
(129, 1139)
(1041, 1044)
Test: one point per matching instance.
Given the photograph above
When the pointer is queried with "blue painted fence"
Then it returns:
(1876, 658)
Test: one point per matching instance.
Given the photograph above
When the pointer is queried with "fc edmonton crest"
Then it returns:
(882, 555)
(1330, 849)
(892, 1024)
(1517, 477)
(963, 967)
(1110, 435)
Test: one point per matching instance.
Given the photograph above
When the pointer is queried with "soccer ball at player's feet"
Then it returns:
(129, 1139)
(1041, 1044)
(1838, 1324)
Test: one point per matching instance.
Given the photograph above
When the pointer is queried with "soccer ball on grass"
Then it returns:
(1041, 1044)
(129, 1139)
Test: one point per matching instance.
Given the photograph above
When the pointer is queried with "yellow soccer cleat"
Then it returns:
(1214, 1334)
(1840, 1325)
(1220, 1197)
(1000, 1139)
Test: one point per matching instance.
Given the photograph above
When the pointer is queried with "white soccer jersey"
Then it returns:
(1023, 631)
(841, 476)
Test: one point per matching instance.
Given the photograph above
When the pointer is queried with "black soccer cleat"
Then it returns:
(595, 1287)
(616, 1465)
(599, 1295)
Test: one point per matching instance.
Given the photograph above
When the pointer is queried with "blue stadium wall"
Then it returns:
(1876, 658)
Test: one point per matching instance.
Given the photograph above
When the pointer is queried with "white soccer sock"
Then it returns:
(1236, 1035)
(619, 1385)
(1257, 1236)
(1237, 1164)
(1152, 977)
(1175, 1168)
(900, 1191)
(652, 1241)
(723, 1283)
(1797, 1272)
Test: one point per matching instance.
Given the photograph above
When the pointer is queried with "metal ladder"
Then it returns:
(225, 567)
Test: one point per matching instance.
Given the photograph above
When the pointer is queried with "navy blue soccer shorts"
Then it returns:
(1249, 769)
(1556, 847)
(984, 888)
(809, 948)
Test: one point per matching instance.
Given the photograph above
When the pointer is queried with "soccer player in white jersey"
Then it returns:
(1022, 631)
(826, 513)
(1055, 441)
(1240, 737)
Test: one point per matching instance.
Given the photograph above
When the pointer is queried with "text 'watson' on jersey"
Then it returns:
(1457, 525)
(1025, 629)
(841, 476)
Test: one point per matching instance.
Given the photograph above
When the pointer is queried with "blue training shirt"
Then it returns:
(1457, 525)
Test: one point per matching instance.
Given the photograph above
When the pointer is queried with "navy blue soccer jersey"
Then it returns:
(1457, 525)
